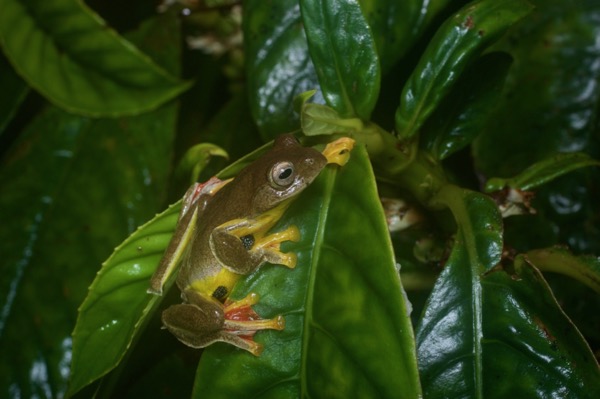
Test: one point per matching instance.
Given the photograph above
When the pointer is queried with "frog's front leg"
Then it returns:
(203, 321)
(242, 245)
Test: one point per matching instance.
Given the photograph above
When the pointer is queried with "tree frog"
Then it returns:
(222, 234)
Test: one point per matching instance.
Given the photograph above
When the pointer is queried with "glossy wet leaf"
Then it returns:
(395, 26)
(459, 41)
(105, 327)
(344, 54)
(487, 332)
(584, 268)
(67, 53)
(347, 333)
(530, 347)
(543, 171)
(123, 278)
(550, 106)
(278, 66)
(463, 114)
(61, 244)
(449, 335)
(72, 189)
(551, 99)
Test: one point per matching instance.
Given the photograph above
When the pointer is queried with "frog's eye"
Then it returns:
(282, 174)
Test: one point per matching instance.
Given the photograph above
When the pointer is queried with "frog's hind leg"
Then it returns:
(204, 321)
(197, 323)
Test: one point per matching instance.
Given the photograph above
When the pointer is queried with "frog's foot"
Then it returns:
(270, 247)
(339, 151)
(242, 322)
(242, 245)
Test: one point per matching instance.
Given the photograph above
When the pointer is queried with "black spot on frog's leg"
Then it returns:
(220, 293)
(248, 241)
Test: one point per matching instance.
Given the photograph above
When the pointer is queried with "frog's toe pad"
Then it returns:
(339, 151)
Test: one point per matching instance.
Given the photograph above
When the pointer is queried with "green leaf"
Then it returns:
(481, 321)
(343, 52)
(278, 66)
(449, 335)
(196, 159)
(585, 269)
(463, 114)
(543, 171)
(347, 333)
(68, 54)
(317, 119)
(530, 347)
(124, 279)
(459, 41)
(395, 26)
(14, 91)
(117, 306)
(52, 244)
(551, 101)
(72, 189)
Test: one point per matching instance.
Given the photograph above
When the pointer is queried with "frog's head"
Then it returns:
(284, 171)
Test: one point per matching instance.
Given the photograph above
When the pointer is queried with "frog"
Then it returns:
(222, 234)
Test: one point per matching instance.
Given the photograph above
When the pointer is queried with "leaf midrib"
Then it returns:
(329, 177)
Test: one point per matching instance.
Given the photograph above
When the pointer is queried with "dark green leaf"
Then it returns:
(72, 188)
(67, 53)
(586, 269)
(544, 171)
(497, 334)
(278, 66)
(52, 244)
(551, 98)
(462, 115)
(449, 335)
(459, 41)
(530, 347)
(395, 26)
(347, 333)
(343, 52)
(14, 90)
(117, 306)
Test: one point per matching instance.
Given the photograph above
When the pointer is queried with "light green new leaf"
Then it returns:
(317, 119)
(344, 54)
(67, 53)
(347, 333)
(543, 171)
(460, 40)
